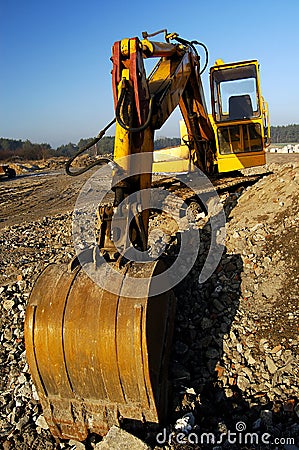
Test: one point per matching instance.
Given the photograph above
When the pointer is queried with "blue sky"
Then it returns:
(55, 81)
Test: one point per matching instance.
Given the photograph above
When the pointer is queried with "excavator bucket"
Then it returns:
(96, 357)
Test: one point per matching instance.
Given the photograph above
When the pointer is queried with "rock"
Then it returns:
(8, 304)
(180, 348)
(34, 393)
(117, 439)
(257, 424)
(41, 422)
(250, 360)
(222, 428)
(263, 344)
(229, 392)
(185, 424)
(271, 365)
(289, 405)
(266, 417)
(248, 373)
(212, 353)
(243, 383)
(206, 323)
(218, 305)
(239, 348)
(77, 445)
(276, 349)
(22, 422)
(258, 271)
(179, 372)
(220, 370)
(190, 391)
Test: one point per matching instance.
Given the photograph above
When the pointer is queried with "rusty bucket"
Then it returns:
(96, 357)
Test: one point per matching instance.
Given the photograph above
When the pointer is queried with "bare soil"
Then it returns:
(45, 193)
(32, 196)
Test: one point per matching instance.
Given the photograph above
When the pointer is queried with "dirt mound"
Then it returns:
(264, 227)
(34, 166)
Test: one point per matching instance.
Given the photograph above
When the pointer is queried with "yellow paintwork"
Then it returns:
(232, 162)
(172, 160)
(237, 161)
(124, 147)
(157, 49)
(267, 121)
(179, 71)
(125, 47)
(172, 166)
(219, 66)
(181, 151)
(169, 71)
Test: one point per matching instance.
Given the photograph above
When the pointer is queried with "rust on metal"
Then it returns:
(96, 357)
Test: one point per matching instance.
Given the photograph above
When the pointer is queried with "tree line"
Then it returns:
(285, 134)
(12, 149)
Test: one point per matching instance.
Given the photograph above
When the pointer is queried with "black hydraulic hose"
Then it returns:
(206, 54)
(192, 45)
(99, 162)
(120, 120)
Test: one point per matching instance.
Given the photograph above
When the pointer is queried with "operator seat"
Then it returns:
(240, 107)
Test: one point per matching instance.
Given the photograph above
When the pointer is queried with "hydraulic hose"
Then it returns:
(120, 120)
(206, 54)
(192, 45)
(99, 162)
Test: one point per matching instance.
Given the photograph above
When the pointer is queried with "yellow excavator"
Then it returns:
(98, 351)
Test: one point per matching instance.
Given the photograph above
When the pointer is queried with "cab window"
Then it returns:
(235, 93)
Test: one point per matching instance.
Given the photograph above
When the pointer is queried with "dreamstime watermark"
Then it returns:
(238, 436)
(95, 191)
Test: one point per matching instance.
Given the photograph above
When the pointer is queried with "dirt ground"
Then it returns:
(34, 195)
(235, 352)
(45, 193)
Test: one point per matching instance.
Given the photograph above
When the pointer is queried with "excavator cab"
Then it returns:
(239, 115)
(240, 122)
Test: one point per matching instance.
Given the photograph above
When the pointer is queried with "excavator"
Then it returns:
(98, 352)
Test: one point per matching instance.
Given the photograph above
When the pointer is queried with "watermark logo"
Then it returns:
(239, 436)
(95, 191)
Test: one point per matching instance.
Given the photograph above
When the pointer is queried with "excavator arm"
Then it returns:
(175, 80)
(143, 104)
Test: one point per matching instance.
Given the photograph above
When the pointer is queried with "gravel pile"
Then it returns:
(234, 366)
(236, 340)
(26, 250)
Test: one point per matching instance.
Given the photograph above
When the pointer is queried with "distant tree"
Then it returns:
(106, 145)
(67, 150)
(83, 142)
(102, 147)
(10, 145)
(285, 133)
(164, 142)
(11, 148)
